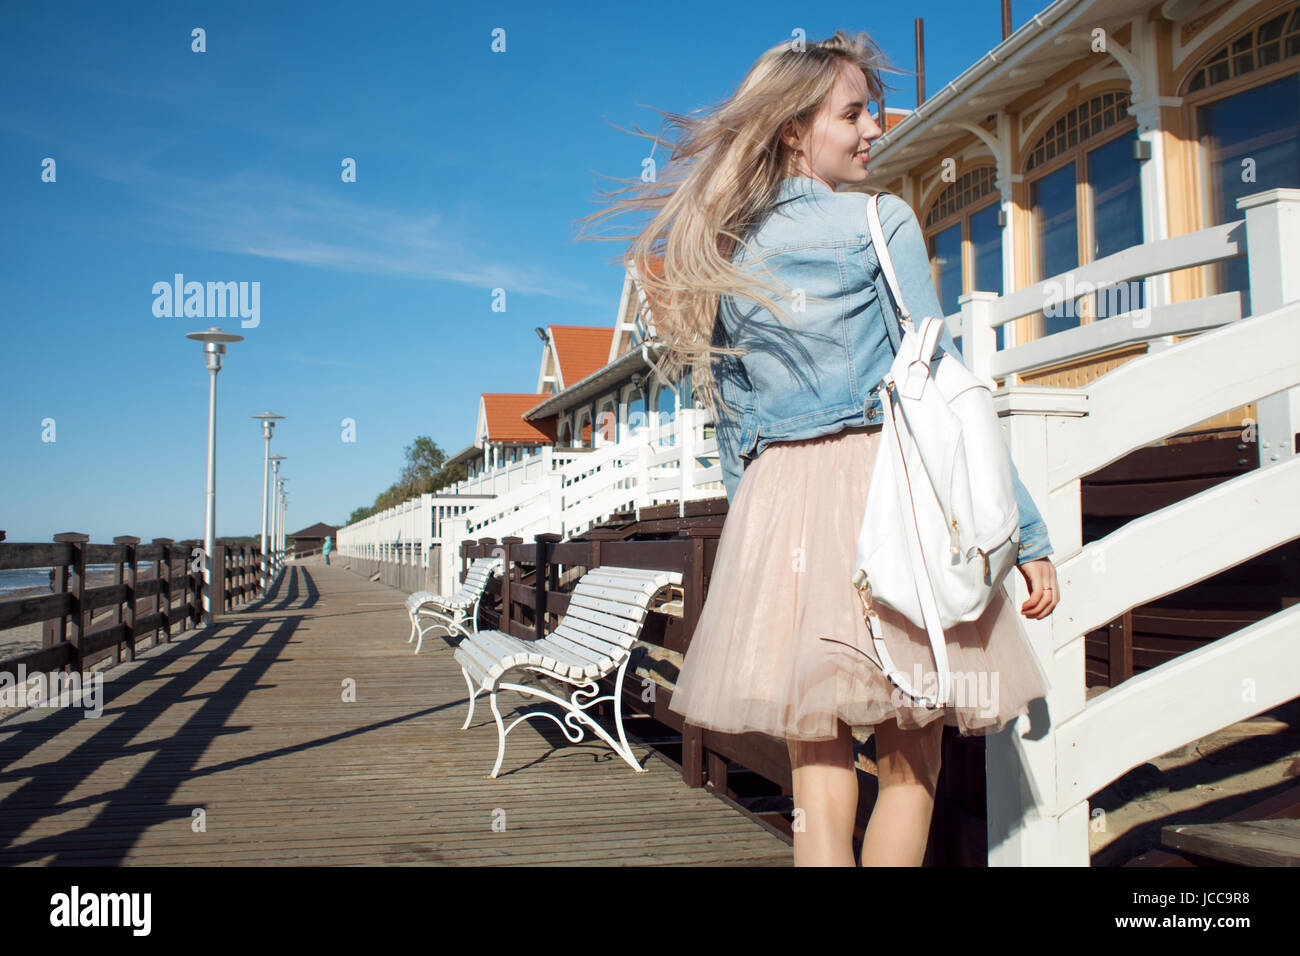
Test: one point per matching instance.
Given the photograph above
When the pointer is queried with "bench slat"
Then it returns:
(597, 635)
(625, 591)
(598, 645)
(633, 580)
(506, 648)
(593, 655)
(611, 621)
(583, 667)
(476, 658)
(628, 612)
(623, 611)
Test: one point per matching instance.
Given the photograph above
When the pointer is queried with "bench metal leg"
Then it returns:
(474, 691)
(448, 624)
(575, 717)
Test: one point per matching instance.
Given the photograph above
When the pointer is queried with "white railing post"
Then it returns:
(1026, 825)
(686, 443)
(554, 501)
(1273, 251)
(978, 340)
(643, 446)
(426, 527)
(453, 534)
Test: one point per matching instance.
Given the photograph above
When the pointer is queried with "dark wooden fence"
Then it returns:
(1156, 632)
(157, 593)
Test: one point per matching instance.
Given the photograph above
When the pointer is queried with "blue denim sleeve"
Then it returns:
(912, 263)
(736, 391)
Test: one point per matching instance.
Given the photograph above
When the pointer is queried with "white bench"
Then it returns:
(452, 612)
(606, 610)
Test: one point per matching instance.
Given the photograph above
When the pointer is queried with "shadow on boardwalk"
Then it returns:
(302, 730)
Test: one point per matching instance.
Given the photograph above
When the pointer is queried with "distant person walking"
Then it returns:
(327, 551)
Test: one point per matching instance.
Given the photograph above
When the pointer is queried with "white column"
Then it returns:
(686, 444)
(426, 527)
(978, 339)
(1027, 826)
(1273, 251)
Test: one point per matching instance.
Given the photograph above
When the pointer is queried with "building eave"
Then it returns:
(972, 96)
(594, 383)
(463, 455)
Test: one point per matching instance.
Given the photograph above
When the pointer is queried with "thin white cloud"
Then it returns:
(271, 217)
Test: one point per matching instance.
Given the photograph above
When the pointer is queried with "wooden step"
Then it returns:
(1284, 806)
(1246, 843)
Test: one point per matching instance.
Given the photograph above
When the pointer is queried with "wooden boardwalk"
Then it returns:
(246, 723)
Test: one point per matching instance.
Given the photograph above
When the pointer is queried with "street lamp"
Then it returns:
(282, 501)
(268, 426)
(214, 346)
(282, 542)
(275, 510)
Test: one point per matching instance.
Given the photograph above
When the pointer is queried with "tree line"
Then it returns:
(425, 471)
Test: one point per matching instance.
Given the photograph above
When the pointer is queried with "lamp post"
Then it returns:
(282, 501)
(275, 511)
(284, 504)
(268, 426)
(214, 346)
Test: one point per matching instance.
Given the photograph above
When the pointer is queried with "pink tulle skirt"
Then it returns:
(781, 647)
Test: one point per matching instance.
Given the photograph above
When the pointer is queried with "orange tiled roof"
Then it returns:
(893, 118)
(581, 350)
(505, 418)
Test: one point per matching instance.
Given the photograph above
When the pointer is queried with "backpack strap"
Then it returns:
(882, 256)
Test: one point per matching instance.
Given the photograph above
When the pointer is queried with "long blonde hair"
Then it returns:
(724, 172)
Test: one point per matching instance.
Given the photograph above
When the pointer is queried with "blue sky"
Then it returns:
(376, 295)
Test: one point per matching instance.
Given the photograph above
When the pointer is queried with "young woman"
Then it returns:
(782, 647)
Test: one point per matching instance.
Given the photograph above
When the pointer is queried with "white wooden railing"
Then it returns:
(569, 493)
(508, 476)
(1042, 773)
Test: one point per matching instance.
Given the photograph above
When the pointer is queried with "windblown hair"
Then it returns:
(723, 175)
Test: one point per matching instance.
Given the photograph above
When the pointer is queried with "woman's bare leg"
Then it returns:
(826, 791)
(908, 765)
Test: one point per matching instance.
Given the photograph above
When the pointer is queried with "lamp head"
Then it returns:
(268, 422)
(214, 345)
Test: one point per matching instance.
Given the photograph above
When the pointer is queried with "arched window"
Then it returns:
(1084, 121)
(666, 409)
(582, 422)
(1243, 106)
(607, 422)
(636, 411)
(1274, 40)
(964, 239)
(1088, 154)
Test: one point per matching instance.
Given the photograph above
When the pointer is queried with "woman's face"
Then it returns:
(833, 148)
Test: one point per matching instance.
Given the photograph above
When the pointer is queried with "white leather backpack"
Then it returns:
(941, 528)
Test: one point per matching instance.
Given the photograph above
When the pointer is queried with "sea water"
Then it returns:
(16, 579)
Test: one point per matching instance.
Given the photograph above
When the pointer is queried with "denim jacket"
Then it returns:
(823, 374)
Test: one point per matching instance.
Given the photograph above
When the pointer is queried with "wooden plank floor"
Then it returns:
(246, 722)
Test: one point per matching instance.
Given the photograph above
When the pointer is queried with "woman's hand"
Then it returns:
(1044, 593)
